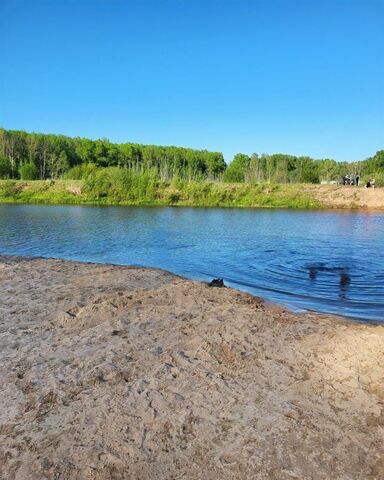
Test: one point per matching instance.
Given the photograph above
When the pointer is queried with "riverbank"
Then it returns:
(198, 194)
(115, 192)
(116, 372)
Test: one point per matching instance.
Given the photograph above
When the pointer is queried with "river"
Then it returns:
(325, 261)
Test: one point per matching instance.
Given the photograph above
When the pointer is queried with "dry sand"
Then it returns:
(345, 196)
(123, 373)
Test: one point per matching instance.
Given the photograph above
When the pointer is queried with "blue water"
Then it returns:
(326, 261)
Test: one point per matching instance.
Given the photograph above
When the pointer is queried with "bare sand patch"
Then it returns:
(344, 196)
(112, 372)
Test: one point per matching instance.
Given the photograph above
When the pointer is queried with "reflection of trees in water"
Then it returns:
(344, 279)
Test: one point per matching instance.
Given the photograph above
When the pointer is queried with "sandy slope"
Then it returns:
(341, 196)
(119, 373)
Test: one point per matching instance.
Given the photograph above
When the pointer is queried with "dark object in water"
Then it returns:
(312, 272)
(344, 277)
(217, 282)
(345, 280)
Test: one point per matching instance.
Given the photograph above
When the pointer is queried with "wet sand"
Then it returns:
(124, 373)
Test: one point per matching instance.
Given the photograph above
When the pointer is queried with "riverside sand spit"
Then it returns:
(111, 372)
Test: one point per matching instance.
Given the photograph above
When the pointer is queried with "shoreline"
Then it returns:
(378, 210)
(265, 300)
(115, 372)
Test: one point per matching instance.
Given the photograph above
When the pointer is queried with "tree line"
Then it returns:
(32, 156)
(41, 156)
(282, 168)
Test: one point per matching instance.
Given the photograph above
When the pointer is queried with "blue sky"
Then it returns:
(292, 76)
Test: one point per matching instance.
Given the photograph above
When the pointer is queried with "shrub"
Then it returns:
(8, 188)
(173, 197)
(80, 172)
(121, 184)
(28, 171)
(5, 167)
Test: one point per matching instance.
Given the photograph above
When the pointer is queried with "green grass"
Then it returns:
(111, 187)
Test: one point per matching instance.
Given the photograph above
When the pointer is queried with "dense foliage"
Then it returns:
(41, 156)
(30, 156)
(281, 168)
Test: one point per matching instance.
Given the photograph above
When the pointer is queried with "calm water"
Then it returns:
(322, 261)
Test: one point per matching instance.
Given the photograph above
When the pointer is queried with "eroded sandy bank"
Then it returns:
(341, 196)
(122, 373)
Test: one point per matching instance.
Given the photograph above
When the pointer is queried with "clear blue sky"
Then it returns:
(292, 76)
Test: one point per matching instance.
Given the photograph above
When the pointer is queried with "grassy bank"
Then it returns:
(147, 190)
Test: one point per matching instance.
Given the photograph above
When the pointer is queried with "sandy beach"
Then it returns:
(111, 372)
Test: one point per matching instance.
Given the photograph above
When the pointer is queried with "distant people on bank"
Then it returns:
(351, 179)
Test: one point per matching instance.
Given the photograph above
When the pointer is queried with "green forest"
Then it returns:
(36, 156)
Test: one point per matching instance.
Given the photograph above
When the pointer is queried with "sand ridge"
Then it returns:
(111, 372)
